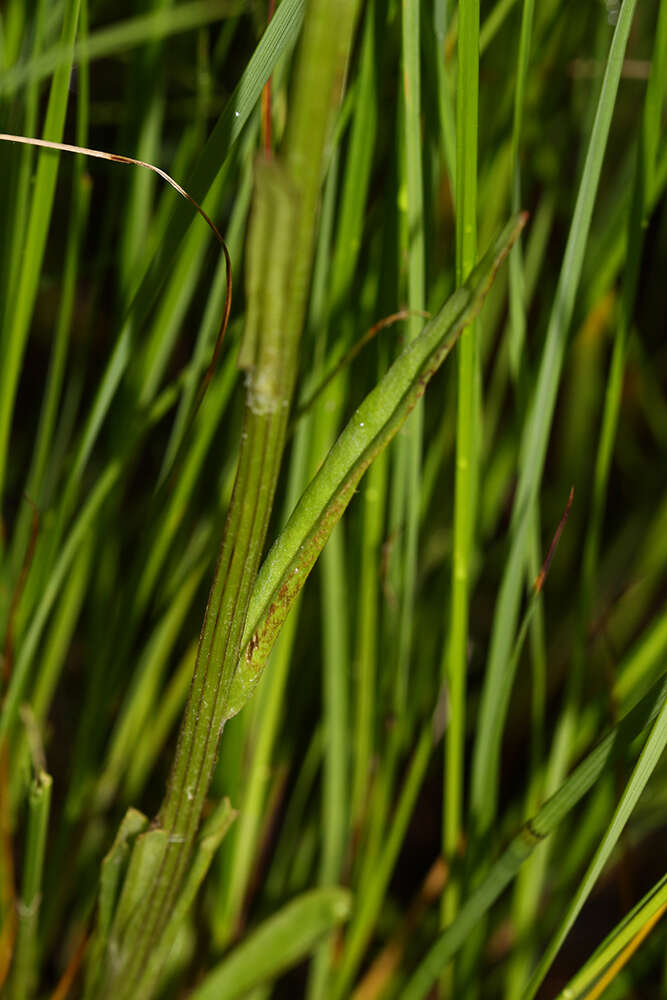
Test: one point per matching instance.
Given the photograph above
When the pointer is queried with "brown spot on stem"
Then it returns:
(251, 647)
(541, 576)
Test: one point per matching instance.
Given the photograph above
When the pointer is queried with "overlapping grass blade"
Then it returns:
(26, 963)
(649, 757)
(374, 423)
(617, 949)
(99, 584)
(75, 539)
(498, 682)
(455, 655)
(368, 909)
(119, 38)
(282, 941)
(280, 35)
(43, 193)
(651, 710)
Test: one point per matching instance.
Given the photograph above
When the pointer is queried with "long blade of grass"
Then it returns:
(281, 244)
(13, 343)
(644, 768)
(407, 470)
(147, 86)
(25, 965)
(214, 831)
(278, 38)
(53, 656)
(75, 539)
(368, 908)
(516, 283)
(455, 658)
(373, 425)
(532, 833)
(35, 482)
(445, 102)
(280, 942)
(498, 679)
(99, 154)
(637, 213)
(334, 612)
(18, 186)
(525, 896)
(355, 190)
(566, 730)
(120, 37)
(619, 946)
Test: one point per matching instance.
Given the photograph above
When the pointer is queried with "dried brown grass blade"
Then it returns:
(99, 154)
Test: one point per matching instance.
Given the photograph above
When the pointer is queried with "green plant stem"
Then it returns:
(638, 203)
(498, 679)
(13, 345)
(367, 640)
(408, 466)
(368, 909)
(335, 627)
(526, 897)
(270, 709)
(648, 760)
(373, 425)
(517, 297)
(118, 38)
(628, 930)
(25, 965)
(20, 192)
(283, 940)
(533, 833)
(278, 281)
(278, 38)
(455, 660)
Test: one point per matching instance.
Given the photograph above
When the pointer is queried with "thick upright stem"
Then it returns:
(279, 266)
(466, 444)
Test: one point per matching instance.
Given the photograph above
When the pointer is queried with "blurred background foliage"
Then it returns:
(105, 574)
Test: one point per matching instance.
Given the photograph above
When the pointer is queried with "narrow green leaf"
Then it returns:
(210, 839)
(532, 833)
(279, 36)
(120, 37)
(280, 942)
(373, 425)
(369, 904)
(642, 916)
(271, 354)
(26, 964)
(498, 679)
(113, 867)
(43, 193)
(455, 653)
(644, 768)
(20, 674)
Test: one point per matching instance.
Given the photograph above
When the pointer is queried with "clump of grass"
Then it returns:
(364, 161)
